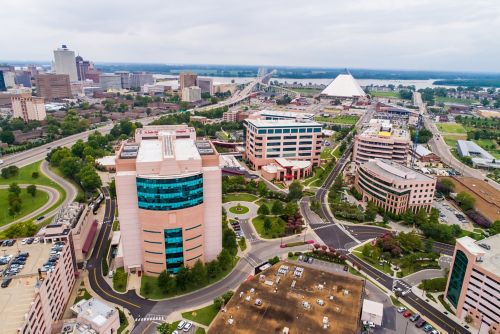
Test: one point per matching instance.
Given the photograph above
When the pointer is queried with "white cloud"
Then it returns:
(412, 34)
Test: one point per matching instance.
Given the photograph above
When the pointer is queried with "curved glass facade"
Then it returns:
(457, 277)
(170, 194)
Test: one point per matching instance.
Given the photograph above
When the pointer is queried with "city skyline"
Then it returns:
(417, 35)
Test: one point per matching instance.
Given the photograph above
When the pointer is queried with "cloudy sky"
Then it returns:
(380, 34)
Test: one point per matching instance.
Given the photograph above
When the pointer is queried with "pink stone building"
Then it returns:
(381, 140)
(169, 197)
(394, 187)
(36, 296)
(474, 283)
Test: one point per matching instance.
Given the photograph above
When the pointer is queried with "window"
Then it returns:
(457, 277)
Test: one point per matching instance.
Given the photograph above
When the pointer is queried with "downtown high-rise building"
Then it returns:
(53, 86)
(187, 79)
(65, 62)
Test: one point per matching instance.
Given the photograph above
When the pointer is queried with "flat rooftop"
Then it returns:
(264, 123)
(490, 257)
(395, 171)
(385, 129)
(285, 114)
(293, 305)
(15, 300)
(93, 310)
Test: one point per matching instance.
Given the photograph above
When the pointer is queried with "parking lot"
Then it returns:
(449, 215)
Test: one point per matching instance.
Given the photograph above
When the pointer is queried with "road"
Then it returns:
(439, 146)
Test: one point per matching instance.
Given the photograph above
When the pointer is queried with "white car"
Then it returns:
(369, 324)
(187, 327)
(401, 309)
(24, 241)
(181, 324)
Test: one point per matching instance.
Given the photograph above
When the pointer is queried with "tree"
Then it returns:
(465, 200)
(338, 183)
(70, 166)
(295, 191)
(7, 137)
(35, 175)
(89, 179)
(31, 189)
(371, 211)
(277, 208)
(268, 224)
(120, 280)
(428, 245)
(410, 242)
(213, 269)
(495, 228)
(366, 250)
(263, 210)
(183, 278)
(166, 328)
(14, 189)
(445, 186)
(199, 274)
(225, 259)
(376, 253)
(421, 217)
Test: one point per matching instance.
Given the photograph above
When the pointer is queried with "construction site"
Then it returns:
(287, 298)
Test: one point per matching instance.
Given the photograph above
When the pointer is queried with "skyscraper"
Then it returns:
(65, 62)
(82, 68)
(28, 108)
(3, 87)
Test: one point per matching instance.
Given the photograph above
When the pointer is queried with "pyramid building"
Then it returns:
(344, 86)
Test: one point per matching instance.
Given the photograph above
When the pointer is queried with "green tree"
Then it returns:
(428, 245)
(120, 280)
(366, 250)
(77, 148)
(295, 191)
(31, 189)
(376, 252)
(338, 183)
(183, 278)
(89, 179)
(7, 137)
(225, 259)
(410, 242)
(263, 210)
(213, 269)
(268, 224)
(14, 189)
(277, 208)
(371, 211)
(465, 200)
(35, 175)
(70, 166)
(421, 217)
(199, 274)
(495, 228)
(445, 186)
(166, 282)
(165, 328)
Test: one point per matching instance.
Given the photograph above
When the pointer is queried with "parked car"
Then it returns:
(401, 309)
(181, 324)
(368, 324)
(415, 317)
(407, 314)
(187, 327)
(427, 328)
(420, 323)
(6, 282)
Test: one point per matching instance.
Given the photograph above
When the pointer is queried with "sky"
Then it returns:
(455, 35)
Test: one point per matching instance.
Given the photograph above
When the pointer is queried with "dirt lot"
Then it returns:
(487, 197)
(282, 306)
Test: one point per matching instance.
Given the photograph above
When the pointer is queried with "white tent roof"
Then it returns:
(344, 85)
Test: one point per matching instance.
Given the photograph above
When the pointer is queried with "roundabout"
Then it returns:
(239, 209)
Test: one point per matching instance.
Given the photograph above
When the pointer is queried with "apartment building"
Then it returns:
(110, 81)
(28, 108)
(139, 79)
(53, 86)
(206, 85)
(37, 295)
(169, 194)
(394, 187)
(474, 283)
(235, 115)
(266, 140)
(382, 140)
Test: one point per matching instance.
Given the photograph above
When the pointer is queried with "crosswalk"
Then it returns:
(405, 287)
(150, 317)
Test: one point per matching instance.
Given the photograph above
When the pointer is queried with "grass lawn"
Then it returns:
(200, 330)
(29, 204)
(326, 153)
(243, 244)
(239, 197)
(341, 119)
(451, 128)
(445, 304)
(157, 293)
(203, 315)
(450, 141)
(306, 91)
(467, 102)
(393, 95)
(116, 286)
(277, 227)
(239, 209)
(268, 202)
(374, 263)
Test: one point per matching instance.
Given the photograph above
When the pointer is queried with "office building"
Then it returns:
(110, 81)
(139, 79)
(191, 94)
(37, 296)
(382, 140)
(394, 187)
(9, 78)
(266, 140)
(125, 79)
(187, 79)
(282, 115)
(65, 62)
(23, 78)
(53, 86)
(473, 287)
(28, 108)
(169, 195)
(235, 115)
(3, 86)
(479, 156)
(206, 85)
(82, 68)
(99, 316)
